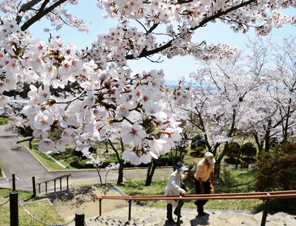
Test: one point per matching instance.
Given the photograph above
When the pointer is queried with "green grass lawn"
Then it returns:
(48, 162)
(66, 158)
(39, 208)
(238, 181)
(3, 120)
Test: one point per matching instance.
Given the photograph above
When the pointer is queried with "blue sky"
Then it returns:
(178, 66)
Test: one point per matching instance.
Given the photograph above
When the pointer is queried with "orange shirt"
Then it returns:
(203, 170)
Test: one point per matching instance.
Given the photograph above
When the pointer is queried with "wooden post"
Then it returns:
(129, 209)
(67, 182)
(34, 187)
(45, 187)
(13, 182)
(14, 209)
(179, 214)
(266, 206)
(54, 181)
(60, 183)
(100, 207)
(79, 218)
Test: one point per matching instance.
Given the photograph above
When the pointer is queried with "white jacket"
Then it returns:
(174, 186)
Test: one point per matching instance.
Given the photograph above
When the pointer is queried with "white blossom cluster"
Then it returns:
(105, 96)
(241, 14)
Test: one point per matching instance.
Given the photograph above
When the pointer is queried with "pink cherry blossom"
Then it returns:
(133, 134)
(43, 120)
(46, 145)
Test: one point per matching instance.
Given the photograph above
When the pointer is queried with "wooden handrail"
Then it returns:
(54, 180)
(253, 195)
(57, 178)
(266, 196)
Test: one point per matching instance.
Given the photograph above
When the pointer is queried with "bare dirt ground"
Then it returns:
(81, 199)
(67, 203)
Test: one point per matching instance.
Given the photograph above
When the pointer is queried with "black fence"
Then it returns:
(14, 213)
(14, 203)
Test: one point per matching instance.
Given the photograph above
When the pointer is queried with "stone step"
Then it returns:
(156, 216)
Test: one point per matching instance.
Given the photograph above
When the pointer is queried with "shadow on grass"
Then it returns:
(281, 205)
(238, 181)
(232, 161)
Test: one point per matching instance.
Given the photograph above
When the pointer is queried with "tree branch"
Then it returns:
(26, 7)
(146, 53)
(41, 14)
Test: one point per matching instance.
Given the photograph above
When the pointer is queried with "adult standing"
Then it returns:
(204, 170)
(174, 187)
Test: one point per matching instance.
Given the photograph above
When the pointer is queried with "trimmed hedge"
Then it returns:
(233, 150)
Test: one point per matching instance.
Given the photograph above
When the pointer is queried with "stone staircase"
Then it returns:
(156, 216)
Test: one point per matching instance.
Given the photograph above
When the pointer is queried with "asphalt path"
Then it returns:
(24, 165)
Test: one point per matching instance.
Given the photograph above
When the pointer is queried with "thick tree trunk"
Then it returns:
(236, 163)
(120, 161)
(99, 174)
(150, 172)
(120, 173)
(218, 163)
(267, 136)
(259, 145)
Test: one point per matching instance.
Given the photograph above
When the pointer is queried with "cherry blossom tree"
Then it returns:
(276, 100)
(105, 89)
(245, 94)
(222, 100)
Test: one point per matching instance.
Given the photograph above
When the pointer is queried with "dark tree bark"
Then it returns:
(120, 161)
(150, 172)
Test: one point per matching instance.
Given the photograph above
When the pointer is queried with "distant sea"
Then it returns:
(175, 83)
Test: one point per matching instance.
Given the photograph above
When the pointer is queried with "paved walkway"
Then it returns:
(21, 163)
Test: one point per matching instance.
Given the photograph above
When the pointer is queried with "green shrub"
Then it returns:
(197, 143)
(233, 150)
(277, 172)
(81, 163)
(277, 169)
(249, 149)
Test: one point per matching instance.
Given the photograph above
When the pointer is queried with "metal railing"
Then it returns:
(54, 181)
(266, 196)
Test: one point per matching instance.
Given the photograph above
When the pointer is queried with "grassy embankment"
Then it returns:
(3, 121)
(47, 162)
(67, 158)
(39, 208)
